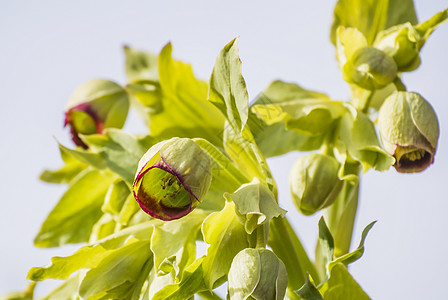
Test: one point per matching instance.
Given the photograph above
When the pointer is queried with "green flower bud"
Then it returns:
(172, 178)
(370, 68)
(257, 274)
(314, 182)
(94, 106)
(147, 93)
(401, 43)
(409, 131)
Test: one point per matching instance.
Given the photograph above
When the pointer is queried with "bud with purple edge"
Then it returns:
(409, 131)
(172, 178)
(95, 105)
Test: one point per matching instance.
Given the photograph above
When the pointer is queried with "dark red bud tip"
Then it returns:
(82, 119)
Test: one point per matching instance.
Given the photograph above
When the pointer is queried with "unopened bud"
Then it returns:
(314, 182)
(94, 106)
(370, 68)
(172, 178)
(409, 131)
(257, 274)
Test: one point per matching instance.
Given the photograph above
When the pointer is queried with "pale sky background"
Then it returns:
(50, 47)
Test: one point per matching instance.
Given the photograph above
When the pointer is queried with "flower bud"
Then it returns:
(409, 131)
(172, 178)
(257, 274)
(370, 69)
(314, 182)
(94, 106)
(400, 42)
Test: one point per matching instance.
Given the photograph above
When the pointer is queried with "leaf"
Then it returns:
(308, 291)
(66, 173)
(275, 139)
(255, 205)
(228, 88)
(226, 237)
(357, 253)
(348, 41)
(371, 16)
(67, 290)
(83, 156)
(326, 242)
(341, 285)
(116, 196)
(140, 65)
(191, 283)
(27, 294)
(119, 150)
(71, 220)
(121, 266)
(358, 134)
(185, 110)
(305, 112)
(174, 243)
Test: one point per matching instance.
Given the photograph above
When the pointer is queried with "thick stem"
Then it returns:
(261, 236)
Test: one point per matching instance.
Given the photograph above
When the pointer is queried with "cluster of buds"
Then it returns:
(94, 106)
(172, 178)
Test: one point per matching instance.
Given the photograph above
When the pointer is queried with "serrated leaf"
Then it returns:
(71, 220)
(121, 266)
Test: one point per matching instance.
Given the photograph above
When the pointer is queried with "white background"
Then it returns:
(48, 48)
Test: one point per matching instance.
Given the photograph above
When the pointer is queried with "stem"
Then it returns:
(366, 105)
(281, 242)
(399, 84)
(261, 237)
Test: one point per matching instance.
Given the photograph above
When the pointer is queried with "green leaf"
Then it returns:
(371, 16)
(359, 137)
(129, 209)
(191, 283)
(66, 173)
(116, 196)
(275, 139)
(67, 290)
(326, 242)
(104, 227)
(226, 237)
(355, 254)
(308, 291)
(255, 205)
(71, 220)
(174, 243)
(140, 65)
(305, 112)
(119, 150)
(86, 157)
(120, 266)
(341, 285)
(228, 88)
(27, 294)
(186, 111)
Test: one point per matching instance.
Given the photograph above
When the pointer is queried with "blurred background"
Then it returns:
(48, 48)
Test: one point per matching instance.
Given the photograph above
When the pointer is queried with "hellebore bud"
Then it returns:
(94, 106)
(409, 131)
(172, 178)
(370, 68)
(257, 274)
(314, 182)
(401, 43)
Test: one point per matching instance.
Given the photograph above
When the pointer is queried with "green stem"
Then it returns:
(366, 104)
(399, 85)
(286, 245)
(209, 295)
(261, 237)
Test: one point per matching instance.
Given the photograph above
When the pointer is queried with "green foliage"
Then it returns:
(206, 144)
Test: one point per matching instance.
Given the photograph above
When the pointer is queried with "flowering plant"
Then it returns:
(143, 203)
